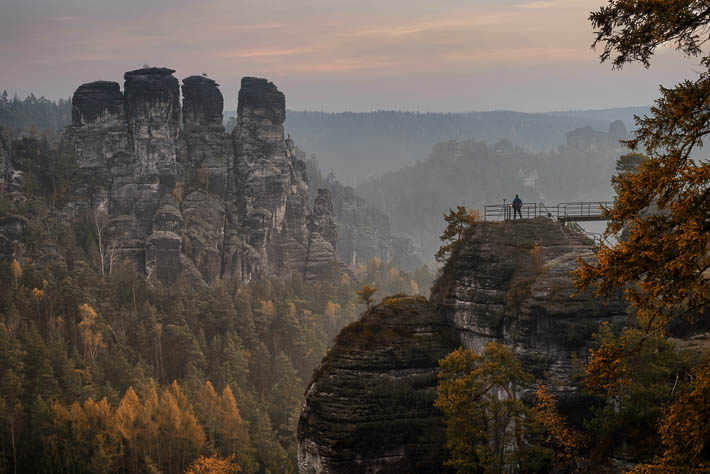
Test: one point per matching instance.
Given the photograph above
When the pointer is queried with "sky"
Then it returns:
(335, 55)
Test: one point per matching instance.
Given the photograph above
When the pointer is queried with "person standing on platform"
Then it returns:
(517, 205)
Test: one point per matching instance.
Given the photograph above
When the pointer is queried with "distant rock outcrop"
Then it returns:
(364, 232)
(182, 194)
(588, 139)
(4, 162)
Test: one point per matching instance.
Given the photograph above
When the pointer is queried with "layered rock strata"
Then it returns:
(364, 232)
(511, 283)
(181, 193)
(370, 406)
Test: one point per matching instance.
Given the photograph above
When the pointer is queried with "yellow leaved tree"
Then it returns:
(662, 208)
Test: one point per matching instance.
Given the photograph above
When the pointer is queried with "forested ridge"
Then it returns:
(31, 112)
(360, 146)
(115, 372)
(474, 174)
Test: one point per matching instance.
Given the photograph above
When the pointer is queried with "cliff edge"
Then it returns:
(370, 405)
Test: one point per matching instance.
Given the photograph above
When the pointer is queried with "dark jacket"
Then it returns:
(517, 203)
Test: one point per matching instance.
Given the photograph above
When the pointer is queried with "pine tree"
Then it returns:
(365, 294)
(231, 433)
(458, 222)
(12, 411)
(206, 410)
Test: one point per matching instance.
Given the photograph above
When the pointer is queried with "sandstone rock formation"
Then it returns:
(182, 194)
(588, 139)
(12, 227)
(369, 408)
(511, 283)
(364, 232)
(323, 235)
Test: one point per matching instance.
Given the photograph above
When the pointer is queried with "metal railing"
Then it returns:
(505, 211)
(564, 211)
(583, 211)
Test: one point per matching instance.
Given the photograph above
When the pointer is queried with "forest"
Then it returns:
(106, 368)
(474, 174)
(113, 372)
(41, 114)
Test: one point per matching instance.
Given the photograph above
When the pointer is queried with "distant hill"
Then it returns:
(626, 114)
(357, 146)
(474, 174)
(42, 114)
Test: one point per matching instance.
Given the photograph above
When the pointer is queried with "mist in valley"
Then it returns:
(281, 237)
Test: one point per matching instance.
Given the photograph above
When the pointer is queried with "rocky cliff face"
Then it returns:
(364, 232)
(509, 282)
(184, 196)
(370, 406)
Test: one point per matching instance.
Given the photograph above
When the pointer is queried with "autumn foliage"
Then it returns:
(144, 432)
(662, 260)
(118, 374)
(365, 294)
(213, 465)
(566, 442)
(479, 395)
(685, 431)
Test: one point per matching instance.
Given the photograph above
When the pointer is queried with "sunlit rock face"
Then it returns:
(182, 195)
(370, 406)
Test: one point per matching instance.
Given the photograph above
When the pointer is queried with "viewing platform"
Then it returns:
(563, 212)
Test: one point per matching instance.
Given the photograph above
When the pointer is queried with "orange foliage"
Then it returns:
(566, 441)
(606, 369)
(537, 258)
(685, 431)
(15, 270)
(213, 465)
(91, 336)
(365, 293)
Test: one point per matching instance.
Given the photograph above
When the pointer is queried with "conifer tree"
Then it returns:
(458, 222)
(365, 294)
(11, 411)
(664, 258)
(231, 433)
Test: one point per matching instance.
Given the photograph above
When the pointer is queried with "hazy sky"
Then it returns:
(429, 55)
